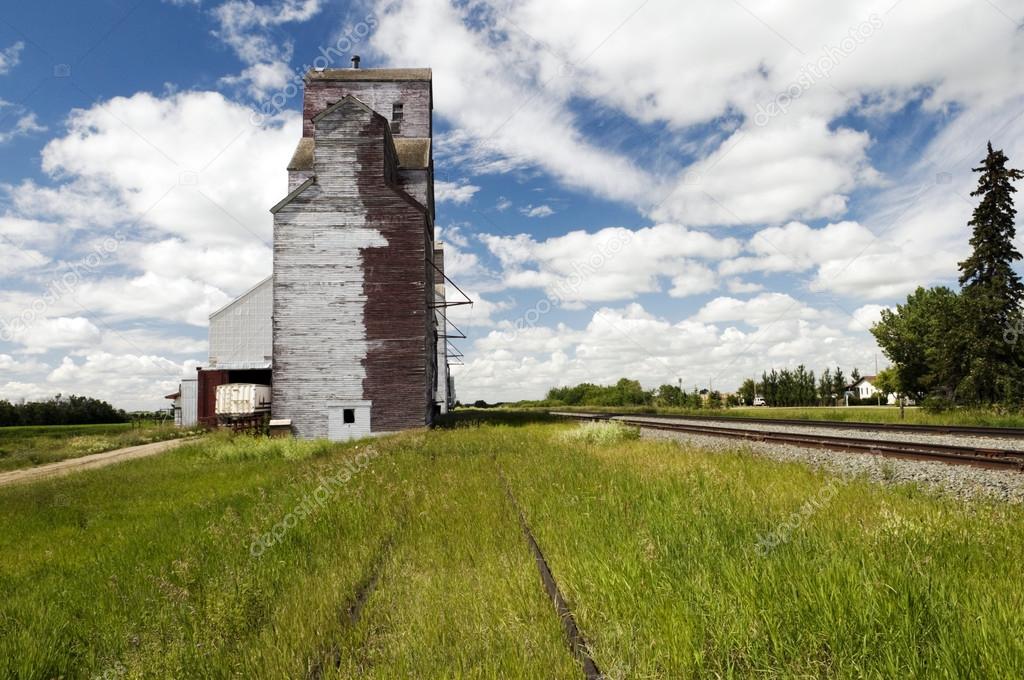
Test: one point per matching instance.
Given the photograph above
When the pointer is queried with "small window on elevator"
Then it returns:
(397, 113)
(348, 416)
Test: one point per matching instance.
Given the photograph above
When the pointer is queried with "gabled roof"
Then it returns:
(417, 153)
(345, 101)
(291, 197)
(243, 295)
(371, 74)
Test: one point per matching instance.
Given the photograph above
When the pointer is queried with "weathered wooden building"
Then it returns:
(354, 329)
(347, 329)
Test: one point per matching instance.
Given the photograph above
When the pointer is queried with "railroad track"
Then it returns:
(995, 459)
(967, 430)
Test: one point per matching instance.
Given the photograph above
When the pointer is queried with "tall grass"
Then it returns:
(459, 595)
(148, 566)
(676, 563)
(684, 564)
(147, 569)
(226, 447)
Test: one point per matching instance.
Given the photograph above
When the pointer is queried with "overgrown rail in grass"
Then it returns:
(577, 642)
(352, 610)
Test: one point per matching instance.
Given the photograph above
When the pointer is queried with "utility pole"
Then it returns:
(878, 395)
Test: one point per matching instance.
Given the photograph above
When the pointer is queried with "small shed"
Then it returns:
(185, 403)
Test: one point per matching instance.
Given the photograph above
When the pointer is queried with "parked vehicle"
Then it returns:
(759, 401)
(238, 400)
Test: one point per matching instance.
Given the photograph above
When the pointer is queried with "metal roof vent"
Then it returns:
(355, 61)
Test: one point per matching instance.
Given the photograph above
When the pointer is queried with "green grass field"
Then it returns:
(28, 446)
(867, 414)
(245, 558)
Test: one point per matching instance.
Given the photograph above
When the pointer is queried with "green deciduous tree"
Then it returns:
(748, 390)
(922, 340)
(888, 382)
(625, 392)
(670, 395)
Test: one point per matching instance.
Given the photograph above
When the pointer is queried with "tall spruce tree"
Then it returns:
(992, 290)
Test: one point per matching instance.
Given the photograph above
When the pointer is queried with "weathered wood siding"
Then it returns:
(414, 95)
(399, 286)
(297, 177)
(352, 293)
(416, 184)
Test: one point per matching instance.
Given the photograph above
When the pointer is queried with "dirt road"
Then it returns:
(90, 462)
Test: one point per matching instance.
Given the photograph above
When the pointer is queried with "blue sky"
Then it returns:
(629, 188)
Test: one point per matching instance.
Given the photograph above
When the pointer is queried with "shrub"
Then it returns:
(601, 433)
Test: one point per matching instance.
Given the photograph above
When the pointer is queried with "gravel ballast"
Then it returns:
(870, 435)
(962, 481)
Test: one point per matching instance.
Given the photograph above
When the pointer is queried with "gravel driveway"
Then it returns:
(90, 462)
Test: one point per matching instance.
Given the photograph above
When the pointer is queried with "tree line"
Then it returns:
(964, 347)
(60, 410)
(628, 392)
(800, 387)
(785, 387)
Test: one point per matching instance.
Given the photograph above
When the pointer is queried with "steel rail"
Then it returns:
(996, 459)
(574, 637)
(969, 430)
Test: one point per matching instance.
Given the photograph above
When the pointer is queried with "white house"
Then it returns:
(865, 389)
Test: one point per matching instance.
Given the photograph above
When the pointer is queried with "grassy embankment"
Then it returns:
(867, 414)
(31, 445)
(678, 563)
